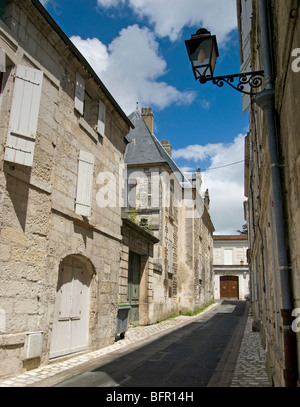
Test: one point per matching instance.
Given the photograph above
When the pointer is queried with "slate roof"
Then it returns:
(142, 148)
(145, 149)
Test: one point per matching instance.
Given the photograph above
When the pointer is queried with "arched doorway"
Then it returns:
(71, 314)
(229, 287)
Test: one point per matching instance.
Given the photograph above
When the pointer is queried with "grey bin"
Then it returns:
(122, 320)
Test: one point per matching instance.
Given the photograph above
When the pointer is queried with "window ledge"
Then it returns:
(88, 129)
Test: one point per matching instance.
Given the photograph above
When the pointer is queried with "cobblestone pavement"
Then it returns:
(250, 365)
(249, 369)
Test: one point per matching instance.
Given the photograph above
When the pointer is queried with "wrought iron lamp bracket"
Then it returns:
(253, 79)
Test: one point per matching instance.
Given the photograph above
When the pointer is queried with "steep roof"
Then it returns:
(144, 148)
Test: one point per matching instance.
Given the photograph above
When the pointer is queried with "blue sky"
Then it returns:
(137, 48)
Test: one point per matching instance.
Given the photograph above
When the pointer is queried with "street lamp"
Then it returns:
(203, 52)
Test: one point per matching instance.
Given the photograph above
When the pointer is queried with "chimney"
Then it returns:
(206, 200)
(167, 146)
(148, 117)
(198, 180)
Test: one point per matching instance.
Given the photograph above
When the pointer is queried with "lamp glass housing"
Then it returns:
(203, 53)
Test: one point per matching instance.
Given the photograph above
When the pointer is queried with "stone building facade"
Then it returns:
(60, 244)
(231, 267)
(136, 285)
(171, 205)
(270, 39)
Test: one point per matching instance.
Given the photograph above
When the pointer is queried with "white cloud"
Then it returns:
(110, 3)
(131, 68)
(45, 2)
(197, 152)
(169, 17)
(94, 51)
(226, 184)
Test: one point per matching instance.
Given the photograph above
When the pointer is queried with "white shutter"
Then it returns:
(79, 93)
(84, 184)
(24, 115)
(101, 118)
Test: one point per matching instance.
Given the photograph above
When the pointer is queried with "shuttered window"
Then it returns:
(92, 109)
(79, 93)
(101, 118)
(84, 184)
(24, 114)
(131, 193)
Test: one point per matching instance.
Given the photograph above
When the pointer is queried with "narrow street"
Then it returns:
(186, 357)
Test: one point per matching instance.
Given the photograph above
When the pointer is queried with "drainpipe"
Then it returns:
(266, 100)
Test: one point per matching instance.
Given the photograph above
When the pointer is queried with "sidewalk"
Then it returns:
(249, 370)
(250, 365)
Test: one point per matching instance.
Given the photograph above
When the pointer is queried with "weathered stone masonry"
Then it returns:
(177, 216)
(45, 235)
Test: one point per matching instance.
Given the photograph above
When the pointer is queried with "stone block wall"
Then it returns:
(39, 224)
(265, 275)
(138, 240)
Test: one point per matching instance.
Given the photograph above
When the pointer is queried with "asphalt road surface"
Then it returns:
(187, 357)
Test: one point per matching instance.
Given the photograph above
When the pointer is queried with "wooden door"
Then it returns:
(229, 287)
(70, 327)
(134, 269)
